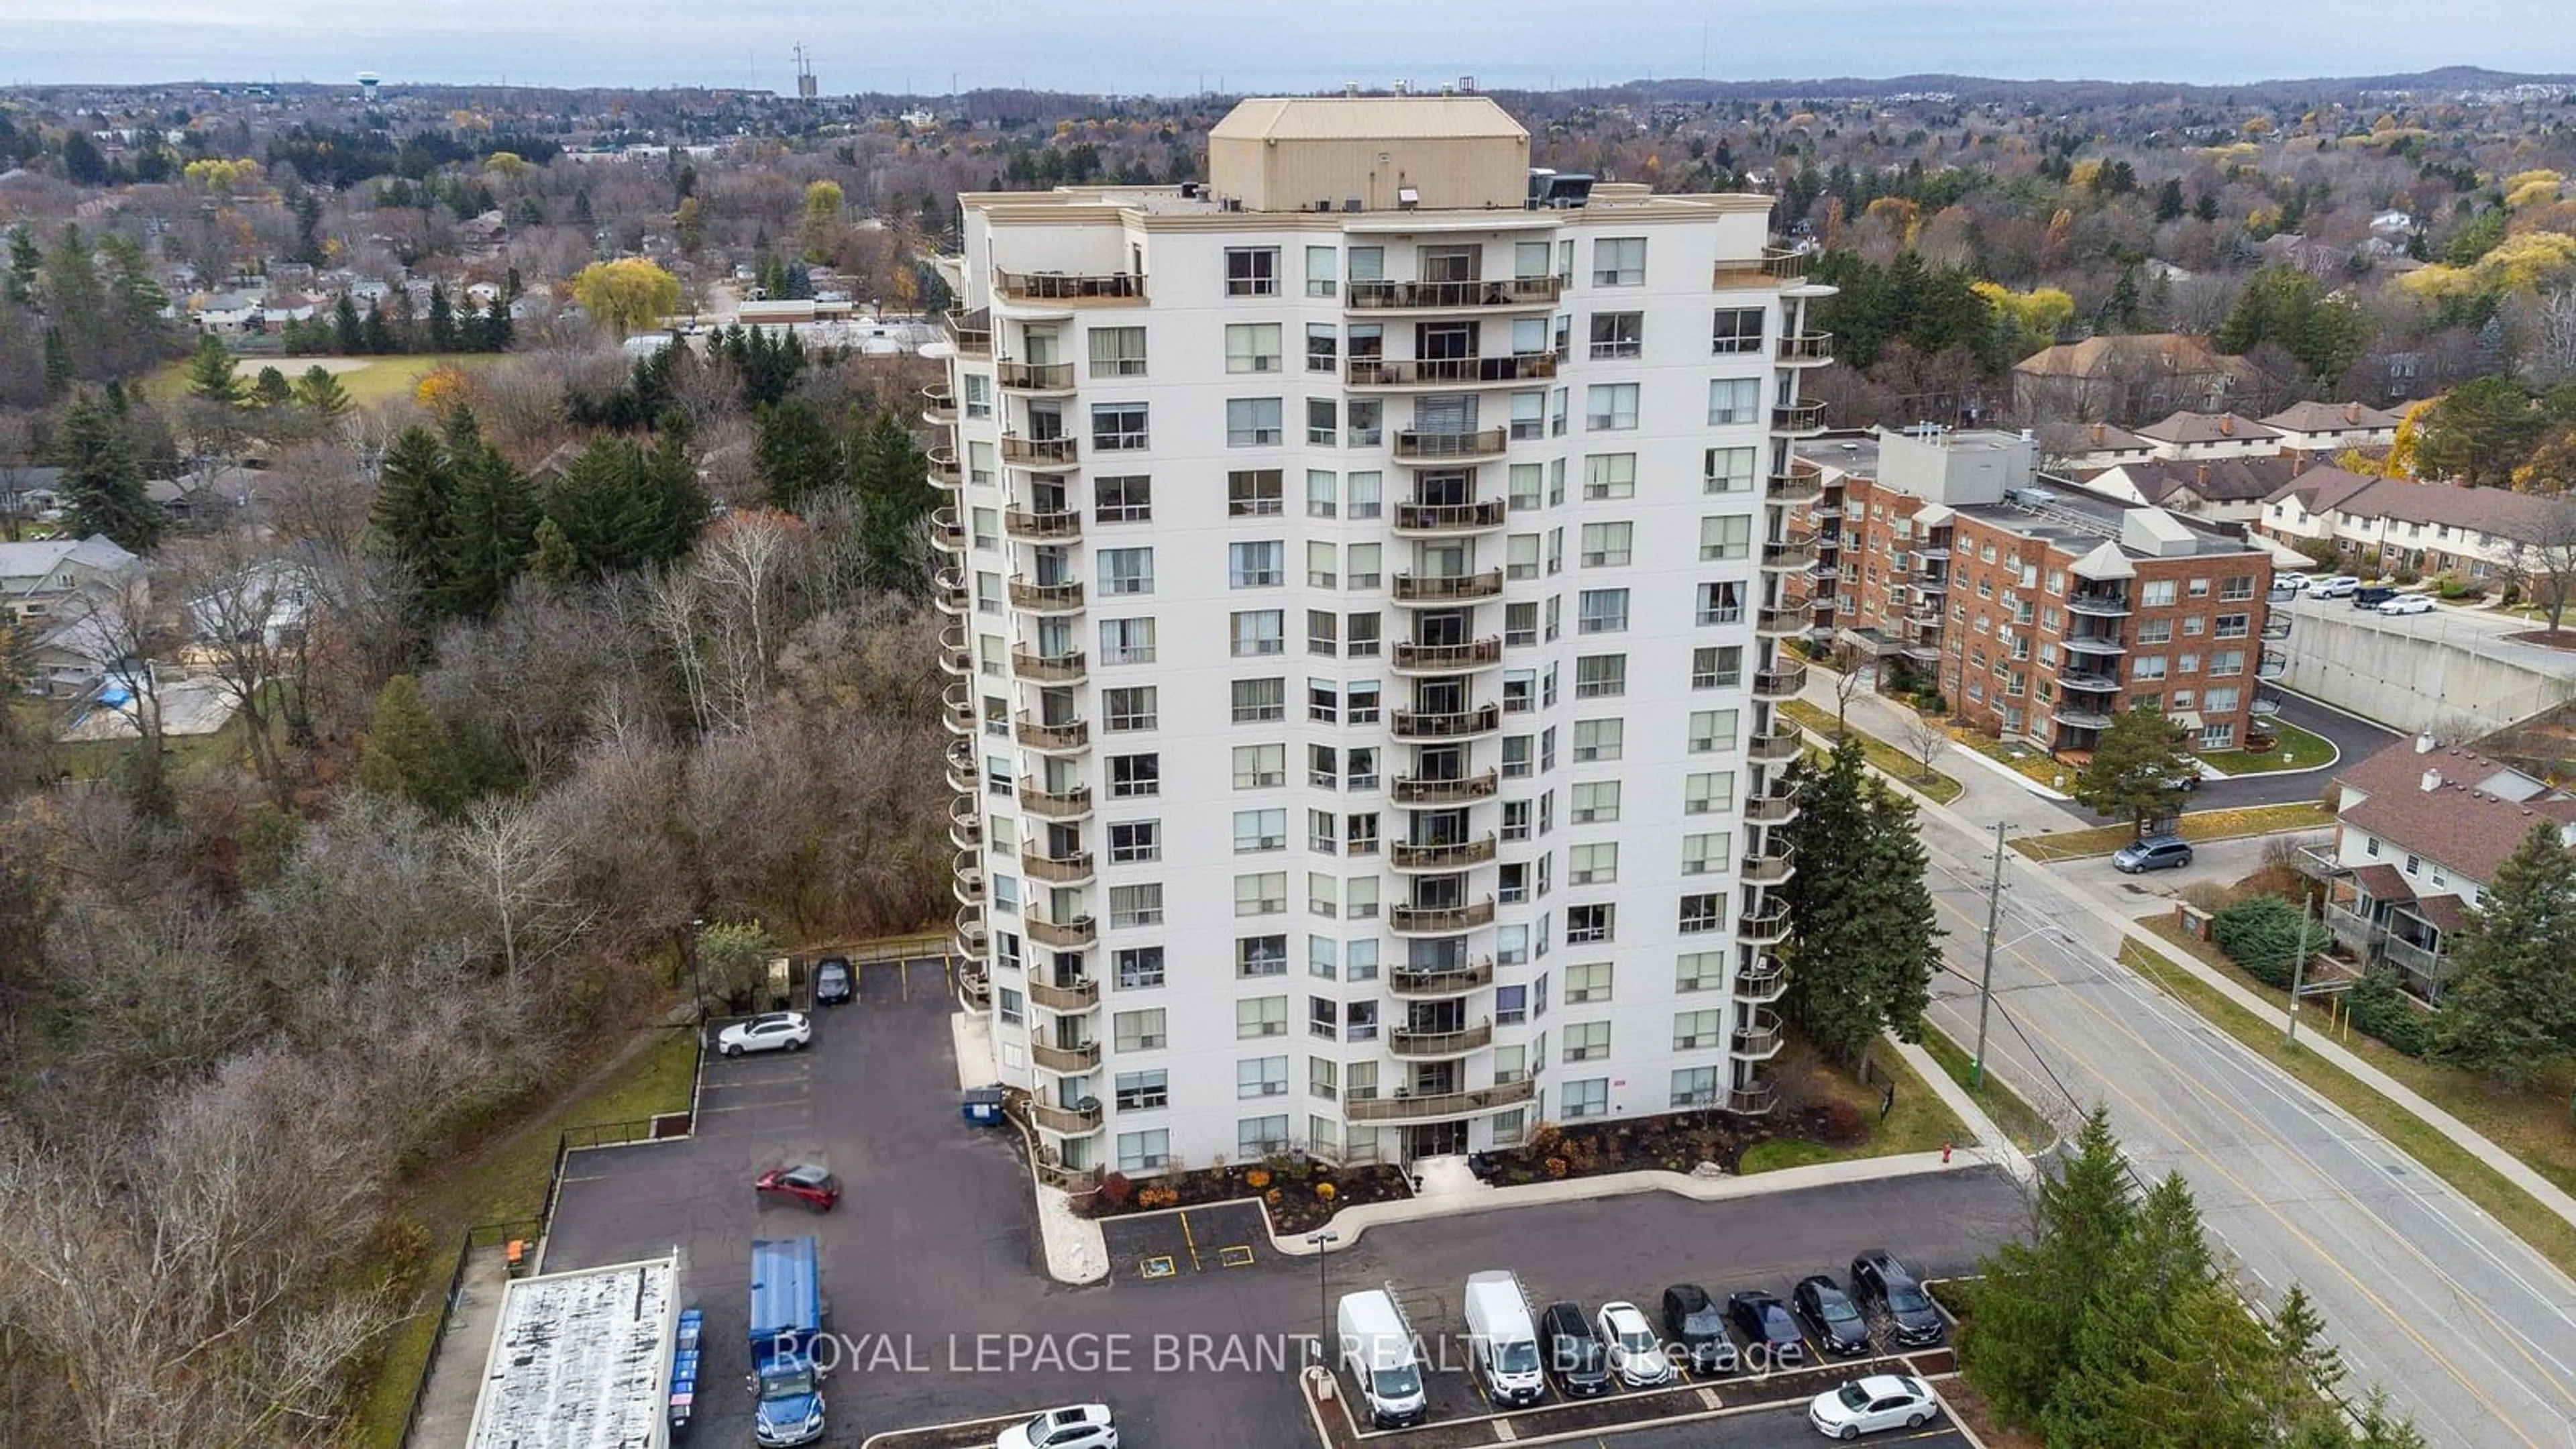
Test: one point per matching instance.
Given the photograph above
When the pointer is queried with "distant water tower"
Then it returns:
(367, 84)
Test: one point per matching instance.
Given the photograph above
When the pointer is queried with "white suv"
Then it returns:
(776, 1031)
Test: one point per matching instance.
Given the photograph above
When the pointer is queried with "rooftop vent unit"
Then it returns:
(1555, 191)
(1351, 203)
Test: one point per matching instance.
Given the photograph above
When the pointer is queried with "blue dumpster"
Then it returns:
(983, 1106)
(684, 1369)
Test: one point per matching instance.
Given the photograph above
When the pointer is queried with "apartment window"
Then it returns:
(1319, 271)
(2157, 594)
(1721, 603)
(1699, 971)
(1255, 565)
(1360, 837)
(1586, 1041)
(1590, 924)
(2225, 662)
(1138, 968)
(2155, 631)
(2222, 700)
(1368, 264)
(1259, 631)
(1610, 407)
(1609, 475)
(1364, 422)
(1702, 912)
(1132, 708)
(1252, 422)
(1693, 1030)
(1717, 666)
(1263, 956)
(1693, 1086)
(1135, 777)
(1321, 558)
(1259, 1137)
(1520, 624)
(1256, 831)
(1321, 893)
(1323, 632)
(1127, 641)
(1516, 757)
(1323, 493)
(1117, 351)
(2236, 588)
(1730, 470)
(1259, 701)
(2146, 667)
(1323, 347)
(1252, 347)
(1364, 565)
(2233, 626)
(1252, 271)
(987, 528)
(1617, 335)
(1705, 853)
(1138, 1031)
(1593, 802)
(1362, 701)
(1711, 730)
(1587, 1098)
(1619, 262)
(1592, 864)
(1260, 767)
(1529, 416)
(1136, 905)
(1124, 498)
(1737, 330)
(1144, 1091)
(1727, 536)
(1525, 486)
(1132, 841)
(1733, 400)
(1261, 1016)
(1117, 427)
(1141, 1152)
(1321, 419)
(1600, 676)
(1364, 492)
(1013, 1007)
(1264, 894)
(1360, 635)
(1607, 545)
(1255, 492)
(1601, 611)
(1599, 740)
(1126, 571)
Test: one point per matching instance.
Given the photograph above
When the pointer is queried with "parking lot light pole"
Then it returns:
(1321, 1242)
(697, 973)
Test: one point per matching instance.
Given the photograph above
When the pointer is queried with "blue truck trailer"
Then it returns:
(786, 1319)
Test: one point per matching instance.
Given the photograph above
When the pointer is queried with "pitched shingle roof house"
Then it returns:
(2193, 435)
(2322, 427)
(2124, 377)
(2428, 527)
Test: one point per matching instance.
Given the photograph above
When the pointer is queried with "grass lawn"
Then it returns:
(374, 380)
(2021, 1122)
(2026, 760)
(2529, 1124)
(1919, 1123)
(1883, 757)
(2198, 825)
(2298, 750)
(505, 1180)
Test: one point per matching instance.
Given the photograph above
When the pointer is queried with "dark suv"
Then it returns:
(832, 981)
(1877, 1278)
(1695, 1322)
(1573, 1352)
(2372, 596)
(1838, 1326)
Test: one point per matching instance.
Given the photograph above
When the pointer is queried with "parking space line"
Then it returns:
(790, 1106)
(1235, 1255)
(1190, 1241)
(1160, 1266)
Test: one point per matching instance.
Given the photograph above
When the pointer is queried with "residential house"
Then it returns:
(29, 493)
(2202, 436)
(2221, 490)
(2083, 447)
(2322, 427)
(203, 495)
(2428, 528)
(2129, 376)
(56, 591)
(2419, 834)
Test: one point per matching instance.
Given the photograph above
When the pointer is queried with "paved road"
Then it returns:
(2472, 1332)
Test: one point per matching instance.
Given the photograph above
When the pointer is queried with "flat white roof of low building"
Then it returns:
(581, 1361)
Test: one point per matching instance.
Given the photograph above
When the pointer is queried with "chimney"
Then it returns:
(2424, 743)
(2200, 477)
(2227, 424)
(2432, 781)
(2298, 464)
(2100, 431)
(2352, 412)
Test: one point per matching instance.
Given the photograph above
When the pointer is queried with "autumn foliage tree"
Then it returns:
(627, 295)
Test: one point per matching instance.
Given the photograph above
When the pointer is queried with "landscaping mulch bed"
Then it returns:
(1677, 1142)
(1300, 1196)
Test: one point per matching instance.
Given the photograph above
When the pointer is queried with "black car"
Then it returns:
(1575, 1355)
(832, 981)
(1692, 1319)
(1767, 1328)
(1877, 1278)
(2373, 596)
(1838, 1325)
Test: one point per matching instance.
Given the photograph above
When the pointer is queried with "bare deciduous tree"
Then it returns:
(246, 606)
(509, 861)
(2544, 554)
(1926, 739)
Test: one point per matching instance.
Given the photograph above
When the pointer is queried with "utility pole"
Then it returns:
(1986, 983)
(2299, 968)
(1322, 1243)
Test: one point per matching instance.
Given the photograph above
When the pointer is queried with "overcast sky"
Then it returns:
(1172, 46)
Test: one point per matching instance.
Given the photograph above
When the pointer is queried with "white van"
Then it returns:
(1502, 1339)
(1377, 1350)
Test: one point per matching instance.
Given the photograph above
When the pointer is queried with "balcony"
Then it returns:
(961, 767)
(1030, 452)
(1042, 526)
(971, 333)
(957, 708)
(2265, 704)
(954, 656)
(1063, 738)
(1780, 682)
(1765, 925)
(1451, 371)
(1799, 419)
(1069, 1179)
(1082, 995)
(1508, 292)
(1753, 1099)
(1080, 1058)
(1761, 983)
(1780, 623)
(1058, 869)
(1041, 377)
(941, 464)
(939, 406)
(1780, 747)
(1447, 588)
(966, 879)
(1439, 920)
(1435, 519)
(970, 930)
(1069, 286)
(2276, 627)
(1772, 867)
(2080, 716)
(1425, 1045)
(965, 825)
(1798, 485)
(1049, 668)
(1402, 1108)
(1806, 349)
(2272, 665)
(1455, 725)
(951, 595)
(1447, 658)
(1788, 555)
(1931, 581)
(1775, 806)
(2092, 681)
(1759, 1038)
(948, 529)
(1415, 447)
(1444, 981)
(1070, 1121)
(2105, 644)
(1774, 265)
(1054, 804)
(1080, 931)
(1064, 598)
(1446, 855)
(1412, 790)
(2098, 603)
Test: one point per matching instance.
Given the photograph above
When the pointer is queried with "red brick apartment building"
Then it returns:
(2039, 607)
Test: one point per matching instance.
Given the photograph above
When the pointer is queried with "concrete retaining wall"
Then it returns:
(2411, 674)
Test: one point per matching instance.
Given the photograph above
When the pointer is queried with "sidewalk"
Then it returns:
(1990, 790)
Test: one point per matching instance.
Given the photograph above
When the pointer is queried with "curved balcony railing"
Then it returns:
(1436, 519)
(1764, 925)
(1778, 683)
(1450, 371)
(1421, 1045)
(1080, 931)
(1069, 286)
(1759, 1038)
(1447, 855)
(1072, 869)
(1409, 790)
(1762, 982)
(1450, 296)
(1457, 725)
(1404, 1107)
(1082, 995)
(1779, 747)
(1054, 804)
(1074, 734)
(1039, 452)
(1799, 418)
(1049, 668)
(1410, 658)
(1420, 447)
(938, 406)
(1441, 981)
(1447, 588)
(1439, 920)
(1042, 526)
(1806, 348)
(1033, 376)
(1774, 265)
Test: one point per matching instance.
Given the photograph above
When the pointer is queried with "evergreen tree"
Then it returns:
(679, 502)
(1862, 944)
(2307, 1371)
(891, 482)
(376, 335)
(2018, 1344)
(59, 371)
(408, 518)
(554, 560)
(25, 263)
(2169, 202)
(619, 507)
(75, 301)
(490, 530)
(320, 391)
(271, 389)
(2135, 764)
(211, 375)
(2509, 1009)
(2162, 1347)
(442, 320)
(348, 334)
(793, 453)
(2205, 207)
(102, 485)
(410, 754)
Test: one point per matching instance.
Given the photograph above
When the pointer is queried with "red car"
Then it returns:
(803, 1182)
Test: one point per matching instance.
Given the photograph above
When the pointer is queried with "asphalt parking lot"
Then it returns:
(934, 1278)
